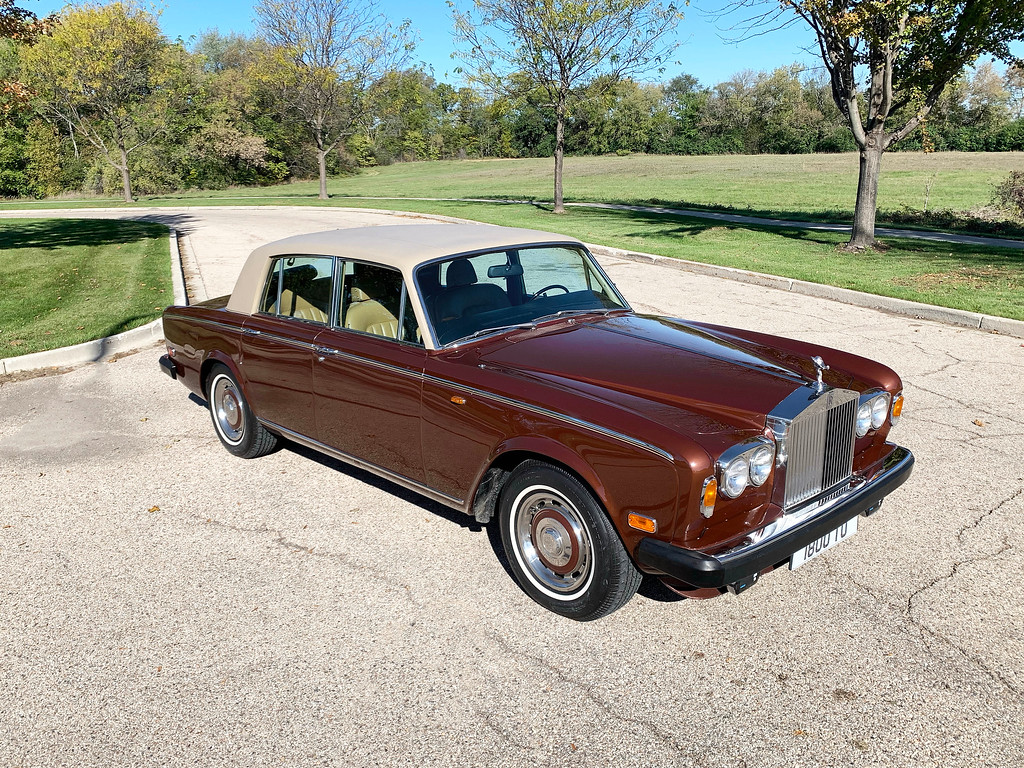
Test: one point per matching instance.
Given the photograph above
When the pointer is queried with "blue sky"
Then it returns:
(702, 53)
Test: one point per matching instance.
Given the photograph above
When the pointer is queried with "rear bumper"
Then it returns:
(795, 530)
(168, 366)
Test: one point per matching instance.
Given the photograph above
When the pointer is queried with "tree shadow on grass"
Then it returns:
(53, 234)
(670, 226)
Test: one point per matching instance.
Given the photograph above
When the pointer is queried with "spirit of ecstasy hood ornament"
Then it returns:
(820, 366)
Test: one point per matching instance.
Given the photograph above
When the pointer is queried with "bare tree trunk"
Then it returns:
(321, 160)
(863, 235)
(559, 153)
(126, 178)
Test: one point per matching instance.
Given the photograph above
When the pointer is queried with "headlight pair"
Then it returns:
(746, 464)
(873, 409)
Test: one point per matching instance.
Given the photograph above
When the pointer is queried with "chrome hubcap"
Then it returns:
(228, 409)
(553, 541)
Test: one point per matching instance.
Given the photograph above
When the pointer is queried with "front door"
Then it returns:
(368, 372)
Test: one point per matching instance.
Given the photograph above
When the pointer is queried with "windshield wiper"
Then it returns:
(565, 312)
(486, 331)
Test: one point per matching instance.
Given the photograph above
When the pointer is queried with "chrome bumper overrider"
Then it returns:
(775, 542)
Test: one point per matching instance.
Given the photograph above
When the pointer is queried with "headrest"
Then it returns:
(296, 278)
(359, 295)
(460, 273)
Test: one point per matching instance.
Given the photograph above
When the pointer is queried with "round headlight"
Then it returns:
(735, 477)
(761, 462)
(879, 410)
(863, 418)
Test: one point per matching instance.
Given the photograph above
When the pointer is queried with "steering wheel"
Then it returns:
(545, 289)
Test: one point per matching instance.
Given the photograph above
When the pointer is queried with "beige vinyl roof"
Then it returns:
(402, 246)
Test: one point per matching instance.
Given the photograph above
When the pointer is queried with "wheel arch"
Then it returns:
(215, 357)
(512, 453)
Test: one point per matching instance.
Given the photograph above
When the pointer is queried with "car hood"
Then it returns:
(661, 367)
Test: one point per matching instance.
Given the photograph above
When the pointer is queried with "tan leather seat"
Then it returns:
(369, 316)
(293, 305)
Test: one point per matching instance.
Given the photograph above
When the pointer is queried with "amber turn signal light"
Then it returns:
(709, 497)
(642, 523)
(458, 399)
(897, 408)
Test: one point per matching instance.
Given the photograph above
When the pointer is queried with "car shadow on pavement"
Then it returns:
(650, 588)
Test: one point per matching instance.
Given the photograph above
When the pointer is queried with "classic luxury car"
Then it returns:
(500, 372)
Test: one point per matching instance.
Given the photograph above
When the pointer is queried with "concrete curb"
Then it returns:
(101, 349)
(944, 315)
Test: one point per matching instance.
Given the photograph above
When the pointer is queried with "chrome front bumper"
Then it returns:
(774, 543)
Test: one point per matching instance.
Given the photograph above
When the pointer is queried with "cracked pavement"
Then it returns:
(164, 603)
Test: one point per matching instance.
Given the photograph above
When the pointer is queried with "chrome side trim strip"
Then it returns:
(216, 324)
(366, 361)
(387, 474)
(556, 416)
(285, 340)
(498, 398)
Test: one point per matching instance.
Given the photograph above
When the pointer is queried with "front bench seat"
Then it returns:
(465, 296)
(370, 316)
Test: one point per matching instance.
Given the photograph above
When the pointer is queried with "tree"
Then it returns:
(562, 47)
(325, 54)
(18, 23)
(1015, 88)
(908, 49)
(104, 72)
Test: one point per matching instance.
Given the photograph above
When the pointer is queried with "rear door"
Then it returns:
(277, 342)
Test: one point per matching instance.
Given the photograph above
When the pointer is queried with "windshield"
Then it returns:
(475, 295)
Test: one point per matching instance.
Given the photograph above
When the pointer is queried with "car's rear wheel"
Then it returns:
(237, 427)
(561, 545)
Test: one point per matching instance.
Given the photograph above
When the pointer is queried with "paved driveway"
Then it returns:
(163, 603)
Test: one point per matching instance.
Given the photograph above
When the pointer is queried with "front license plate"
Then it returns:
(829, 540)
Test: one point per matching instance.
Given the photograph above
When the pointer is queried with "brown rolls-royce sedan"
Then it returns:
(499, 371)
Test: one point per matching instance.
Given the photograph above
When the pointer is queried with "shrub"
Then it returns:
(1009, 194)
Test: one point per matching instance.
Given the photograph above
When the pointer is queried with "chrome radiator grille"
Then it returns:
(820, 446)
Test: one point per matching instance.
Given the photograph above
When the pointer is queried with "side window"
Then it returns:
(410, 328)
(372, 301)
(299, 287)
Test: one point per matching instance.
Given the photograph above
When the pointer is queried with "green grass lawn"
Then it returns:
(986, 280)
(68, 281)
(989, 281)
(788, 185)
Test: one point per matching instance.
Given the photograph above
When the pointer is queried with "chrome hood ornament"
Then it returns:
(820, 367)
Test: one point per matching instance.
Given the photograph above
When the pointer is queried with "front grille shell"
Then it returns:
(818, 445)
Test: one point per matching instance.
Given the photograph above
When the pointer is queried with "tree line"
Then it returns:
(213, 114)
(98, 98)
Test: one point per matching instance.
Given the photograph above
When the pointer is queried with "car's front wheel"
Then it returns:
(236, 425)
(561, 545)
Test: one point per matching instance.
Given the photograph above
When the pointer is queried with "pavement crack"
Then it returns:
(953, 572)
(503, 733)
(588, 692)
(280, 540)
(988, 513)
(971, 407)
(953, 362)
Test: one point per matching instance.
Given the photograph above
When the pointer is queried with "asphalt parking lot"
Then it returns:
(163, 603)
